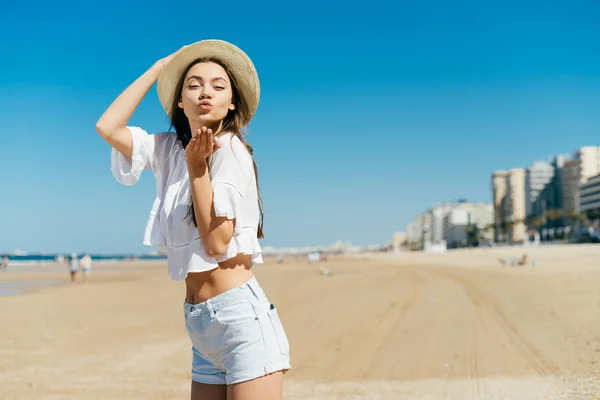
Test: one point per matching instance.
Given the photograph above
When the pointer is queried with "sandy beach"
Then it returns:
(458, 326)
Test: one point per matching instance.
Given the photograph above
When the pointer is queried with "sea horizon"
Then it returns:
(31, 258)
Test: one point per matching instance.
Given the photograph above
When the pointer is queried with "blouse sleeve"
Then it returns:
(231, 168)
(128, 170)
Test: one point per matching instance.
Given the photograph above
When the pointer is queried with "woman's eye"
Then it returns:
(220, 87)
(193, 86)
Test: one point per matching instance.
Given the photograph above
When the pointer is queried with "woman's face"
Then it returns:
(206, 96)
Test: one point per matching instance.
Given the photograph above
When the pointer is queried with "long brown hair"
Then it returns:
(234, 122)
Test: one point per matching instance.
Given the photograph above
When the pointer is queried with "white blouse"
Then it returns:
(235, 197)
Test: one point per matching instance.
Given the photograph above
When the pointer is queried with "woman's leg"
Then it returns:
(202, 391)
(269, 387)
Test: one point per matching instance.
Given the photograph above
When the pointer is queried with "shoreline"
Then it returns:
(26, 279)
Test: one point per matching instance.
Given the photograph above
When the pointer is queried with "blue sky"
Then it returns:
(370, 111)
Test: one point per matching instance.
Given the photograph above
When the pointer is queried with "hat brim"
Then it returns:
(236, 60)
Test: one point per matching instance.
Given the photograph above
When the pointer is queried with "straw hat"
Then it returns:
(238, 62)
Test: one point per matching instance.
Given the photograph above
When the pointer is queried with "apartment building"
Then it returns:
(457, 220)
(447, 222)
(414, 232)
(499, 191)
(538, 175)
(584, 165)
(589, 197)
(551, 197)
(508, 188)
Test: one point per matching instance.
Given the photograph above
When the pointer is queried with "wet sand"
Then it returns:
(411, 326)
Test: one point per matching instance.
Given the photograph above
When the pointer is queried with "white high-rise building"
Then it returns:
(448, 222)
(589, 198)
(585, 164)
(538, 175)
(414, 232)
(508, 189)
(458, 220)
(551, 197)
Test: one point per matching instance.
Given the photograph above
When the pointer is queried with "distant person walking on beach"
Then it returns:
(207, 213)
(59, 259)
(86, 266)
(4, 264)
(73, 267)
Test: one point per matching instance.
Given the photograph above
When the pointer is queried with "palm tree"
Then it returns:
(576, 218)
(573, 215)
(473, 235)
(554, 214)
(537, 222)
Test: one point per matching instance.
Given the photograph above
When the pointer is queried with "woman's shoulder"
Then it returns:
(166, 136)
(165, 141)
(231, 143)
(159, 138)
(165, 144)
(227, 137)
(233, 155)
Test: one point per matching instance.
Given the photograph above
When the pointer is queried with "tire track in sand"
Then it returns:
(477, 390)
(353, 353)
(487, 306)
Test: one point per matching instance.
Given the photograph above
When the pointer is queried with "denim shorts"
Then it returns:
(236, 336)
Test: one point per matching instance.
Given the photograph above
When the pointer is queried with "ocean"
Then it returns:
(37, 259)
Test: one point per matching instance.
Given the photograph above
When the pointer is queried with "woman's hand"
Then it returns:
(202, 145)
(164, 61)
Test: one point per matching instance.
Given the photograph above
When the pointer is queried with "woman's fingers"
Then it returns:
(216, 144)
(203, 143)
(209, 141)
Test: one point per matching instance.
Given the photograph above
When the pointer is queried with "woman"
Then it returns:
(207, 213)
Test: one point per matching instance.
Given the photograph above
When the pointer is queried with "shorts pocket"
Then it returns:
(282, 340)
(196, 322)
(238, 313)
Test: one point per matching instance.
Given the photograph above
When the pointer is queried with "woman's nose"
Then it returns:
(205, 93)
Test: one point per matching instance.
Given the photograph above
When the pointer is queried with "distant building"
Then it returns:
(585, 164)
(462, 221)
(589, 199)
(414, 233)
(538, 175)
(551, 197)
(508, 188)
(570, 186)
(436, 222)
(398, 241)
(447, 222)
(499, 192)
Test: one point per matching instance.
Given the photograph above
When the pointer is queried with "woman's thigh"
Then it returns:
(202, 391)
(269, 387)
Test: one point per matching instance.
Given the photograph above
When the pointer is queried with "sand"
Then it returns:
(409, 326)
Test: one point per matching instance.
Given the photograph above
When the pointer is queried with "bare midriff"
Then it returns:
(201, 286)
